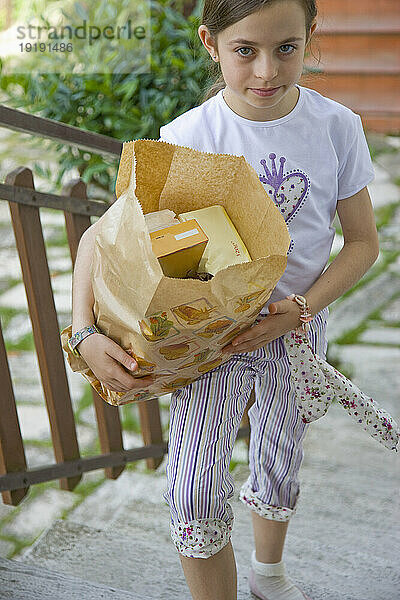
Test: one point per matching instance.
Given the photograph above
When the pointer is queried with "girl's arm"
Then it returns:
(82, 293)
(104, 356)
(360, 251)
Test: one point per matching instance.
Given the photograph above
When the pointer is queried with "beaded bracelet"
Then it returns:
(305, 314)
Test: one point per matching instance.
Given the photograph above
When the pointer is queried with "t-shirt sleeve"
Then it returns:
(166, 135)
(356, 171)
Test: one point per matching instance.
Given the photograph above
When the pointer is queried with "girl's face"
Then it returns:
(261, 59)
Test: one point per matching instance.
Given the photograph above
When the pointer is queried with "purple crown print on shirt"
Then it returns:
(289, 191)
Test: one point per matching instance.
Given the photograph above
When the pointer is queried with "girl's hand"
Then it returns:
(283, 317)
(105, 357)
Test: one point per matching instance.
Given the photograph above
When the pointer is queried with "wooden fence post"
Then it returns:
(46, 331)
(108, 417)
(150, 424)
(12, 453)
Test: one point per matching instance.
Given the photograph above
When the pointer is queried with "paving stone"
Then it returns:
(348, 313)
(240, 452)
(5, 216)
(5, 509)
(382, 190)
(19, 581)
(87, 436)
(49, 217)
(379, 141)
(381, 335)
(10, 265)
(100, 508)
(25, 375)
(14, 298)
(34, 422)
(393, 141)
(37, 456)
(381, 175)
(391, 233)
(36, 514)
(337, 243)
(18, 327)
(392, 312)
(131, 439)
(375, 371)
(62, 290)
(88, 416)
(59, 264)
(6, 547)
(390, 162)
(7, 239)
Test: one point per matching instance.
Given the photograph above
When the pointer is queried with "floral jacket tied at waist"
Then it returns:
(317, 384)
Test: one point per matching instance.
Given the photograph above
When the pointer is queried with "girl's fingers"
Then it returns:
(116, 386)
(249, 346)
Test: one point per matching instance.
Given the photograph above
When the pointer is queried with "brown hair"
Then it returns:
(217, 15)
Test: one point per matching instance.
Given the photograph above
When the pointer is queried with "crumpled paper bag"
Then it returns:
(176, 328)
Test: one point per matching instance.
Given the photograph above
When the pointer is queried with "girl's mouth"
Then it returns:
(264, 91)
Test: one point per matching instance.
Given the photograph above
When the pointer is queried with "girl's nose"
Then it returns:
(266, 68)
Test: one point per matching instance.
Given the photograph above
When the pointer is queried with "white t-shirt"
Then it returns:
(306, 161)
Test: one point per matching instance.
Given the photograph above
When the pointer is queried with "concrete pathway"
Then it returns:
(344, 540)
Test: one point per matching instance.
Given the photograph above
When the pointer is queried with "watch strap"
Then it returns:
(80, 335)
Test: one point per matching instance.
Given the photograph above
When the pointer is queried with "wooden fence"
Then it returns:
(25, 202)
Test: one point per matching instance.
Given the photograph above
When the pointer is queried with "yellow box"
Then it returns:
(179, 248)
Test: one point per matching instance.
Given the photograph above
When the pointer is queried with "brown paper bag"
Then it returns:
(176, 328)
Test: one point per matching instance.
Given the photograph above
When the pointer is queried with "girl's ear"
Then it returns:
(207, 40)
(311, 32)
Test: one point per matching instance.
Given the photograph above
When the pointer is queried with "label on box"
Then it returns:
(180, 236)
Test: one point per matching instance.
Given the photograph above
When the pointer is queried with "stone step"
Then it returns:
(359, 91)
(19, 581)
(373, 96)
(125, 560)
(349, 312)
(348, 8)
(146, 564)
(360, 23)
(340, 544)
(358, 52)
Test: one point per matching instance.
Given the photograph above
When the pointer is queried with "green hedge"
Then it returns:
(123, 106)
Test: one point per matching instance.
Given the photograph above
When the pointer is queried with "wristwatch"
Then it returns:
(79, 336)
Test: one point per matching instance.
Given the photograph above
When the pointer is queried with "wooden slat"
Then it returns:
(108, 417)
(67, 134)
(46, 331)
(14, 481)
(150, 422)
(37, 199)
(12, 453)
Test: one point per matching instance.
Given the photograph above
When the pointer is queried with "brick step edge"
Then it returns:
(371, 30)
(362, 69)
(19, 581)
(380, 123)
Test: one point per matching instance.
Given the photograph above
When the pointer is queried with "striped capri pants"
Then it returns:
(204, 420)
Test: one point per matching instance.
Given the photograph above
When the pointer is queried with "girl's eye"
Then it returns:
(286, 48)
(243, 55)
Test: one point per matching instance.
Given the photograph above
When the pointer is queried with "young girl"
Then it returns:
(312, 158)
